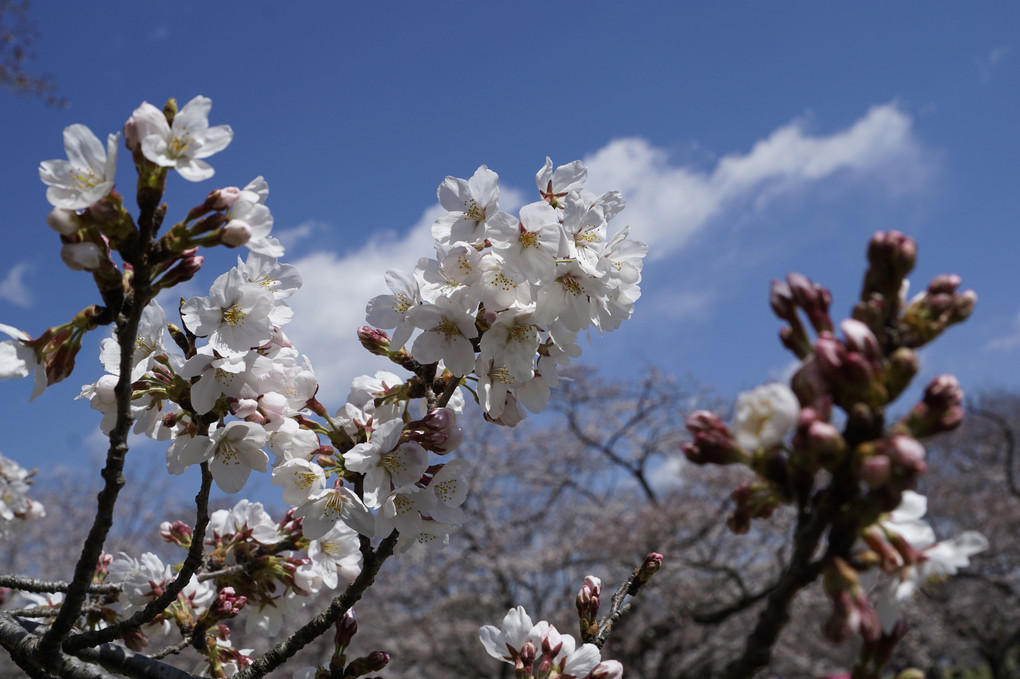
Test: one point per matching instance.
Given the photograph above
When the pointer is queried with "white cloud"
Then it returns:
(12, 287)
(668, 205)
(331, 303)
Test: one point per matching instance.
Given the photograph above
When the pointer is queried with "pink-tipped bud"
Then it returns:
(904, 451)
(781, 300)
(649, 567)
(875, 470)
(376, 341)
(713, 442)
(892, 254)
(178, 532)
(221, 199)
(187, 266)
(860, 339)
(346, 628)
(813, 299)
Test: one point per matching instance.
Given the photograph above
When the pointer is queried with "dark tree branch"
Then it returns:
(170, 592)
(279, 654)
(48, 586)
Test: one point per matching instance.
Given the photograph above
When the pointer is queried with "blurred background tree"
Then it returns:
(18, 32)
(589, 489)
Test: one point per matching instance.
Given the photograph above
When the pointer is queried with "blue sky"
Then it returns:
(749, 140)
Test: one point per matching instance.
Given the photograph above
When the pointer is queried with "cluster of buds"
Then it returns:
(346, 628)
(587, 604)
(871, 466)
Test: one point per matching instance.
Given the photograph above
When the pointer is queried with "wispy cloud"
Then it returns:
(13, 288)
(671, 204)
(294, 235)
(1008, 341)
(989, 62)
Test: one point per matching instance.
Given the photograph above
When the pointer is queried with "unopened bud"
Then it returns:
(177, 532)
(235, 233)
(346, 628)
(891, 256)
(649, 567)
(373, 662)
(782, 302)
(221, 199)
(904, 451)
(376, 341)
(860, 339)
(713, 442)
(813, 299)
(188, 265)
(875, 470)
(64, 222)
(903, 365)
(85, 256)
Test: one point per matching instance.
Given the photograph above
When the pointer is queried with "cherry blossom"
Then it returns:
(86, 177)
(183, 145)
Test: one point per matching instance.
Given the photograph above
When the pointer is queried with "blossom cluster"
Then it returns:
(540, 651)
(506, 296)
(490, 316)
(15, 505)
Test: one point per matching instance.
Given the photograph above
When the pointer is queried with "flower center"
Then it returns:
(234, 315)
(179, 143)
(472, 211)
(82, 179)
(447, 329)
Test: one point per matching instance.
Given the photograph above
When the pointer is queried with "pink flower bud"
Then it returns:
(221, 199)
(346, 628)
(860, 339)
(781, 300)
(904, 451)
(713, 443)
(376, 341)
(875, 470)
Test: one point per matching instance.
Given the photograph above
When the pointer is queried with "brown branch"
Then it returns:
(48, 586)
(136, 253)
(20, 638)
(279, 654)
(170, 592)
